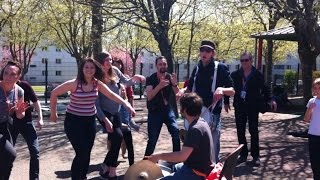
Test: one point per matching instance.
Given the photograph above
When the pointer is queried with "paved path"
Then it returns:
(282, 156)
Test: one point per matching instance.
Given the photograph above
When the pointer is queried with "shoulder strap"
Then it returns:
(16, 93)
(194, 79)
(214, 81)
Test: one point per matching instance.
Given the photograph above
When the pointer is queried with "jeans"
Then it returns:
(28, 132)
(81, 131)
(183, 172)
(244, 115)
(314, 149)
(7, 152)
(155, 121)
(216, 132)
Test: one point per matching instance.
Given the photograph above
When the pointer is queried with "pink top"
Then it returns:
(82, 103)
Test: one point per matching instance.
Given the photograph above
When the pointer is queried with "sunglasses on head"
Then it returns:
(244, 60)
(205, 49)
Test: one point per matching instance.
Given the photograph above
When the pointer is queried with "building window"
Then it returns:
(44, 60)
(58, 50)
(278, 66)
(151, 66)
(44, 48)
(43, 73)
(185, 66)
(58, 73)
(58, 61)
(33, 65)
(288, 66)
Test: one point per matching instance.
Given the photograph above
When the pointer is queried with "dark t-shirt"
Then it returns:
(157, 102)
(200, 139)
(204, 81)
(29, 96)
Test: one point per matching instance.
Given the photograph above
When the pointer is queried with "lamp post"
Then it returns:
(46, 82)
(141, 67)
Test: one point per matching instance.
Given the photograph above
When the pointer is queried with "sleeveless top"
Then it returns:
(83, 103)
(9, 99)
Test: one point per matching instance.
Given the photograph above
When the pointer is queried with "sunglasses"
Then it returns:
(205, 49)
(244, 60)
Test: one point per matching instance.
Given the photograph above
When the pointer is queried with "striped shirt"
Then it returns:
(83, 103)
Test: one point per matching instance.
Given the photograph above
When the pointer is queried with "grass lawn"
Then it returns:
(38, 89)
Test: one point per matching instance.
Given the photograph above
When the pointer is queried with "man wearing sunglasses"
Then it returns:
(250, 92)
(201, 81)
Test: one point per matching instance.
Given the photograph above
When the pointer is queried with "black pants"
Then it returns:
(127, 137)
(28, 132)
(243, 115)
(115, 138)
(314, 149)
(7, 152)
(81, 131)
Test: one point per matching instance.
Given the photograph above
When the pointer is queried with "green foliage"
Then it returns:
(290, 79)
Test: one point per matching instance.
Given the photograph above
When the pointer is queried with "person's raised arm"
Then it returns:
(62, 88)
(152, 91)
(310, 108)
(37, 107)
(116, 98)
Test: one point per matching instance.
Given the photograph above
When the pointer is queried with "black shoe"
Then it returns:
(256, 162)
(242, 159)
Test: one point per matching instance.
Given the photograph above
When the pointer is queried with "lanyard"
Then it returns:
(246, 79)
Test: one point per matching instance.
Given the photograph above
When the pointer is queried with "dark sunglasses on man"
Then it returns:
(205, 49)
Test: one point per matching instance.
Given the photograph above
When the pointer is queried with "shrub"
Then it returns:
(290, 80)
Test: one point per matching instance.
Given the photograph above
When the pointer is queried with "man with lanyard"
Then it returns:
(249, 91)
(201, 82)
(161, 87)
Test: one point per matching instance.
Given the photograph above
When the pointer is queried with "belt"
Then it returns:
(199, 173)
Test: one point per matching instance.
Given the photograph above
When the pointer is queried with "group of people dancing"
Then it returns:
(101, 90)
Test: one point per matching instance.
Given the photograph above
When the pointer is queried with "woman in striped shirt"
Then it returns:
(79, 123)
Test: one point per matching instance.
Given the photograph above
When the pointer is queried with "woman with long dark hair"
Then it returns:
(107, 109)
(11, 105)
(79, 123)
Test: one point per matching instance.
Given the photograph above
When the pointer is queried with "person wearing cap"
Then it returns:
(201, 81)
(250, 90)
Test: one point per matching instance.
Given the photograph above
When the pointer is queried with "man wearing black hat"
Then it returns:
(211, 87)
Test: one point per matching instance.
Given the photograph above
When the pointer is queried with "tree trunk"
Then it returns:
(96, 27)
(307, 58)
(166, 51)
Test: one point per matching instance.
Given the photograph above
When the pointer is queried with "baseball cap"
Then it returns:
(209, 44)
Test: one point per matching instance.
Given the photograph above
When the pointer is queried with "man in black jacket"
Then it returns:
(251, 95)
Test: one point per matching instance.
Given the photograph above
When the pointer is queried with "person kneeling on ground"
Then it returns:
(196, 155)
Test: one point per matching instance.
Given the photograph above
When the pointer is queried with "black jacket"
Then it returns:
(256, 90)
